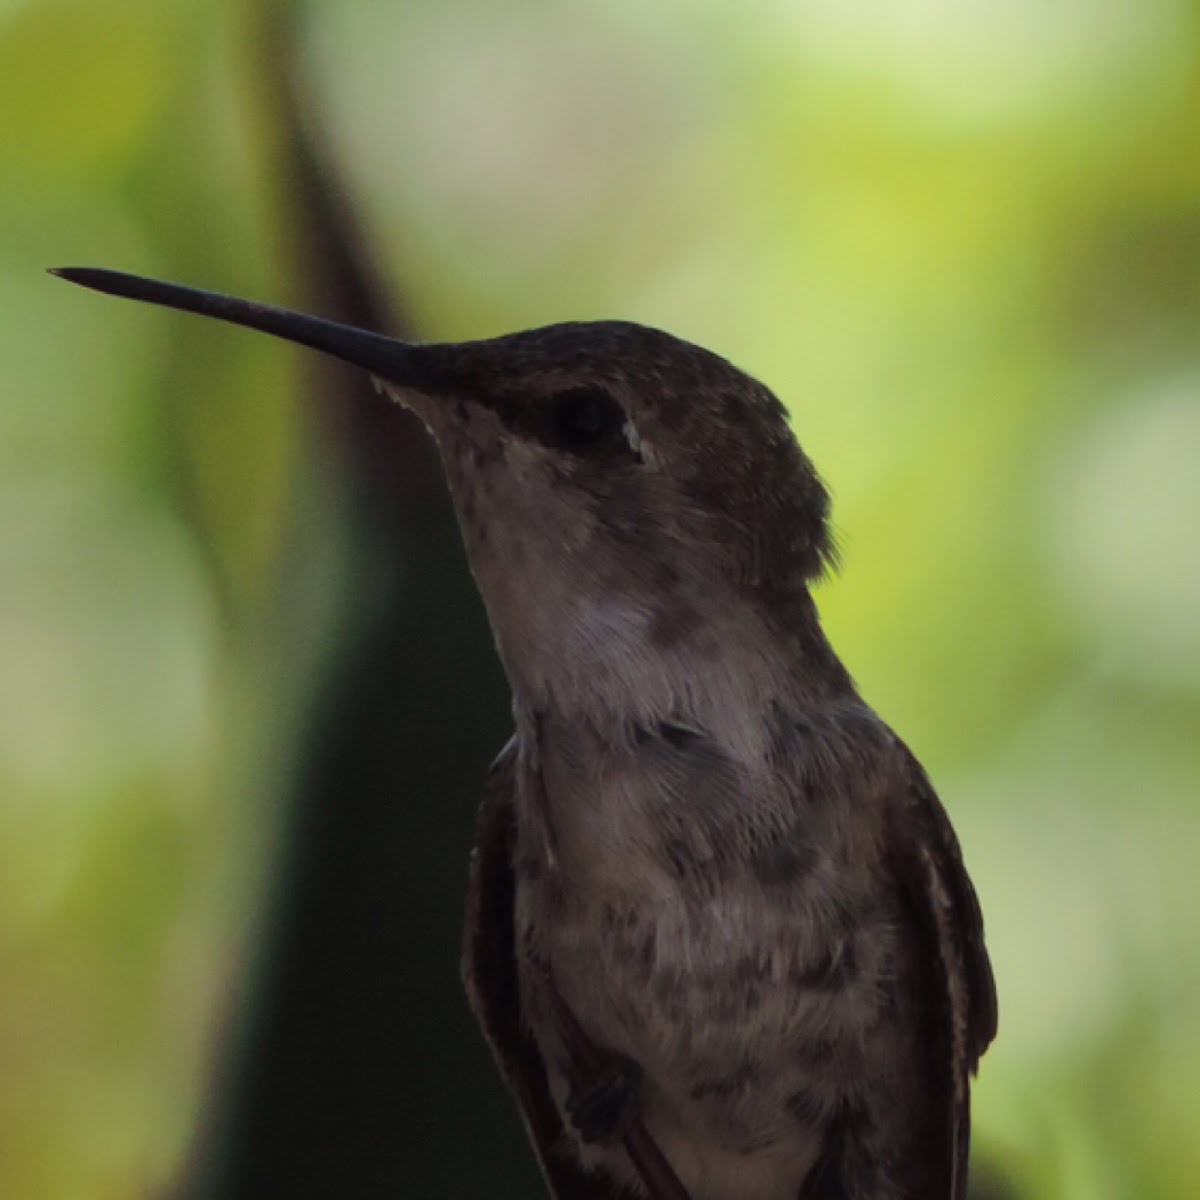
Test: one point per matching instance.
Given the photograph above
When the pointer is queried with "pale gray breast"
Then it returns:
(720, 925)
(710, 890)
(643, 809)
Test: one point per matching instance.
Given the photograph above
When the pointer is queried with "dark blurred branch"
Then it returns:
(355, 1068)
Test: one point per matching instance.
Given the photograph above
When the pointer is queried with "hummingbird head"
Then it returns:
(608, 477)
(613, 441)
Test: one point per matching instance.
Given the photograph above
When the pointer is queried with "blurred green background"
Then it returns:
(962, 242)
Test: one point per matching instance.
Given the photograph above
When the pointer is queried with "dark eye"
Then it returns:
(585, 418)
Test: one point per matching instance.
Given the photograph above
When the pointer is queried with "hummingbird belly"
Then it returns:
(748, 1021)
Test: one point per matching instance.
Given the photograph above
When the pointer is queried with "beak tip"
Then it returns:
(84, 276)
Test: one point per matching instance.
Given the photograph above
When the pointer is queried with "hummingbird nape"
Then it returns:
(720, 935)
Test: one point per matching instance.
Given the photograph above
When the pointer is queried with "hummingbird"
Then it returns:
(719, 932)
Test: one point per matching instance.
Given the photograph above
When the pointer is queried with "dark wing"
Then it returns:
(490, 974)
(928, 863)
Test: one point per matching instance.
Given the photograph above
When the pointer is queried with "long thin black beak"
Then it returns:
(398, 362)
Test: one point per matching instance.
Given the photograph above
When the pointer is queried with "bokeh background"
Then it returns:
(246, 698)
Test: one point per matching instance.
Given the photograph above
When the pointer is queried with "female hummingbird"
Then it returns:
(720, 935)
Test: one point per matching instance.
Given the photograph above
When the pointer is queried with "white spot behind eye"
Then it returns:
(635, 442)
